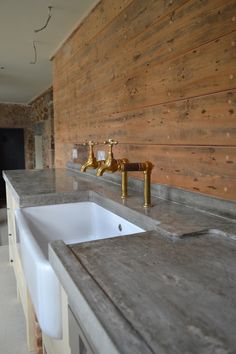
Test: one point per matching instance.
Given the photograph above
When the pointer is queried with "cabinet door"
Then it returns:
(78, 342)
(10, 223)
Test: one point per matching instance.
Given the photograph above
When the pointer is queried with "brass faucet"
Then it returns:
(123, 165)
(110, 164)
(91, 161)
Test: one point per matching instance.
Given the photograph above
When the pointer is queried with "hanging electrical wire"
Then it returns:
(35, 53)
(47, 21)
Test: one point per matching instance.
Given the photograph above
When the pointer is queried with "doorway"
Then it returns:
(38, 141)
(12, 154)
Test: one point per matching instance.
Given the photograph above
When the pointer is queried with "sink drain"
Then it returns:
(120, 227)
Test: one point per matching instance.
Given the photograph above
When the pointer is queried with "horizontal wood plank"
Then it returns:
(132, 20)
(103, 14)
(207, 120)
(160, 77)
(209, 69)
(209, 170)
(175, 33)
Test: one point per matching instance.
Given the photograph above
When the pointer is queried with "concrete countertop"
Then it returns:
(42, 187)
(181, 293)
(155, 294)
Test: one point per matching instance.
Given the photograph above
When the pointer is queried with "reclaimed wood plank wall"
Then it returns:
(160, 77)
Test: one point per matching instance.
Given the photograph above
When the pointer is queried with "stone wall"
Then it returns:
(36, 119)
(42, 124)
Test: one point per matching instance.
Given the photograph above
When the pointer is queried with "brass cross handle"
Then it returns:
(90, 143)
(110, 142)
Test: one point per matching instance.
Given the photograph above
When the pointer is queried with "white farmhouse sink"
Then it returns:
(72, 223)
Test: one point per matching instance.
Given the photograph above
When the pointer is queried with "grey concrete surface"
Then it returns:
(40, 187)
(156, 294)
(174, 289)
(12, 321)
(106, 339)
(180, 296)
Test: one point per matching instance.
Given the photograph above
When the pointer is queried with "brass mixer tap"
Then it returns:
(112, 165)
(146, 167)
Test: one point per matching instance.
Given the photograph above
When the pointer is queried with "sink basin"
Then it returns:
(72, 223)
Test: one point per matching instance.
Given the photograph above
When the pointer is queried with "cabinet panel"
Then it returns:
(78, 342)
(14, 256)
(59, 346)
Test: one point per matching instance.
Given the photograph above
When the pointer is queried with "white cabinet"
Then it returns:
(59, 346)
(78, 341)
(14, 256)
(52, 346)
(74, 340)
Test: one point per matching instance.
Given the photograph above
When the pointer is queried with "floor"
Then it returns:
(12, 322)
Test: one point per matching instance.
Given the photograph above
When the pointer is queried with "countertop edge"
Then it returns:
(84, 295)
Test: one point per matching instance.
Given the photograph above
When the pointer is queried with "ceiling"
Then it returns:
(21, 81)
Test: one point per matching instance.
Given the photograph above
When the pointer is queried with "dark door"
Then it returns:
(12, 155)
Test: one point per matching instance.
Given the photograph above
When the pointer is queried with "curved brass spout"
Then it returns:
(107, 166)
(91, 161)
(88, 164)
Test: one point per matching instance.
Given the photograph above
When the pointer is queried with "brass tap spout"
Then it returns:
(91, 161)
(110, 164)
(146, 168)
(86, 165)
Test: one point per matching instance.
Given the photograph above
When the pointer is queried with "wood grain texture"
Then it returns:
(98, 19)
(160, 77)
(184, 29)
(210, 68)
(208, 170)
(199, 121)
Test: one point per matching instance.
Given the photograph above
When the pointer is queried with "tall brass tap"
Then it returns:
(110, 164)
(91, 161)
